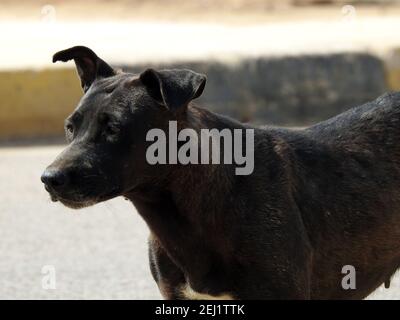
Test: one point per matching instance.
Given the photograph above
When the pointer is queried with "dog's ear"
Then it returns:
(88, 64)
(174, 88)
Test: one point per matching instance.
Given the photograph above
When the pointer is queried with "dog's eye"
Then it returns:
(111, 130)
(69, 128)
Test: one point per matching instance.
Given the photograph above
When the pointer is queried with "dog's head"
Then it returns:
(106, 155)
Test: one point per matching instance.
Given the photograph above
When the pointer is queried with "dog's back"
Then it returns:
(376, 123)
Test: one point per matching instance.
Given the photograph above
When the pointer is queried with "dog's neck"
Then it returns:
(192, 188)
(199, 189)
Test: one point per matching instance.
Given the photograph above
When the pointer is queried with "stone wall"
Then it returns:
(289, 90)
(293, 91)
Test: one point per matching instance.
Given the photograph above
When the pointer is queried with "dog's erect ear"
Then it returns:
(173, 88)
(88, 64)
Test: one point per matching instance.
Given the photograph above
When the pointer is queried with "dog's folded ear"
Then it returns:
(174, 88)
(88, 64)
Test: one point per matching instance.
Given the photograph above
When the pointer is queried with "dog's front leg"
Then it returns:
(178, 255)
(168, 276)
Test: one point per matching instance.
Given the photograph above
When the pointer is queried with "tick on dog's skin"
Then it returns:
(318, 198)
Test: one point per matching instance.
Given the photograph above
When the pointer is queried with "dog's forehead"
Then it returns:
(99, 94)
(117, 78)
(111, 83)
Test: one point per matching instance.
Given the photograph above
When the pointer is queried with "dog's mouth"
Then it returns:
(76, 200)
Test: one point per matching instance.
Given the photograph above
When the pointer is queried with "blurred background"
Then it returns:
(287, 62)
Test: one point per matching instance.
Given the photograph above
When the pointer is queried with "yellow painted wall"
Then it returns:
(392, 68)
(35, 103)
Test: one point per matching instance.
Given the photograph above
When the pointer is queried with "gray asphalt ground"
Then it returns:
(98, 252)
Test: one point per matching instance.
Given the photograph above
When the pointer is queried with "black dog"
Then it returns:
(317, 200)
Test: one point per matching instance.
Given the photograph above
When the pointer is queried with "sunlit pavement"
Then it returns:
(97, 253)
(130, 42)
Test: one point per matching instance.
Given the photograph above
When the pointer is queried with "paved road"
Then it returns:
(98, 252)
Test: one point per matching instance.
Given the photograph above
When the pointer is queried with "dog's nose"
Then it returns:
(54, 178)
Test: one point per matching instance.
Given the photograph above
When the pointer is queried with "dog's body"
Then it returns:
(318, 199)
